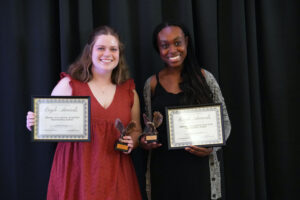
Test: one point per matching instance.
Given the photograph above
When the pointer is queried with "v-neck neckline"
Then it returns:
(111, 103)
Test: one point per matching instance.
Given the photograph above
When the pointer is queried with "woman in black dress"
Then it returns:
(193, 172)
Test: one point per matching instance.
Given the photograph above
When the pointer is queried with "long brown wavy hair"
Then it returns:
(81, 69)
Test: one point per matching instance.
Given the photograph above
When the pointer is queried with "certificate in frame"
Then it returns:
(200, 125)
(61, 118)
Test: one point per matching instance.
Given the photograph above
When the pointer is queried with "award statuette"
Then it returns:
(150, 131)
(121, 146)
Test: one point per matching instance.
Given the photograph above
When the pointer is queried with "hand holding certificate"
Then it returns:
(61, 118)
(195, 125)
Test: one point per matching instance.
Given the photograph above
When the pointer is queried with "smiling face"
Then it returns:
(105, 53)
(172, 45)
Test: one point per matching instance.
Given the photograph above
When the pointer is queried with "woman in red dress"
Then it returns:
(95, 170)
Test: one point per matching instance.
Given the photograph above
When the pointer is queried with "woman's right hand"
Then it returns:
(148, 146)
(30, 120)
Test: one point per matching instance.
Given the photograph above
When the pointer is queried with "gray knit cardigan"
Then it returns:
(214, 164)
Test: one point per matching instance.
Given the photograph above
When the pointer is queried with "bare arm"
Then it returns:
(132, 138)
(63, 88)
(135, 116)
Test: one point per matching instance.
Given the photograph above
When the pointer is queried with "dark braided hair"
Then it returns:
(193, 83)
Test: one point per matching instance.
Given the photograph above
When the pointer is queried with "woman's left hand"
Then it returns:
(199, 151)
(127, 139)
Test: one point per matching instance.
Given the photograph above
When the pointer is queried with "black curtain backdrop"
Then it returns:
(251, 46)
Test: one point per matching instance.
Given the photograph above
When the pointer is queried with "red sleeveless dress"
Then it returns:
(95, 170)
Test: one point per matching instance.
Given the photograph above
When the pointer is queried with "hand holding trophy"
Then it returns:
(150, 131)
(122, 146)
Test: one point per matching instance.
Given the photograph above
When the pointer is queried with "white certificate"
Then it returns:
(61, 118)
(195, 125)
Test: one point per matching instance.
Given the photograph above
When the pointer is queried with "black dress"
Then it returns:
(175, 174)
